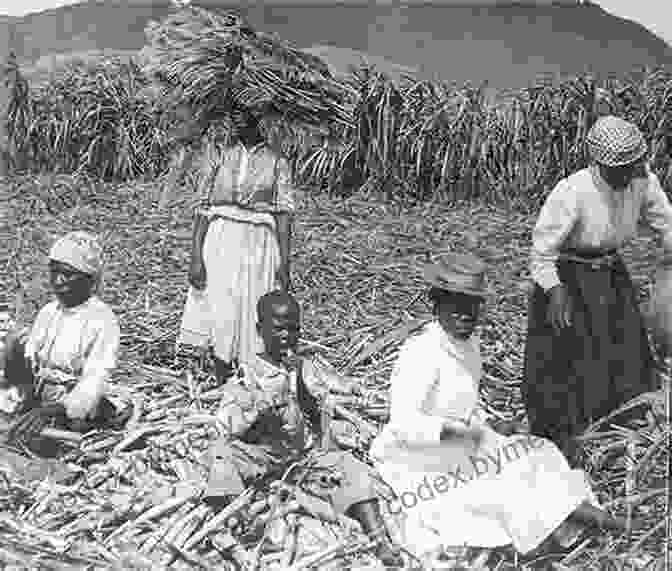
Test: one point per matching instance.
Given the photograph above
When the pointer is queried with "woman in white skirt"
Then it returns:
(458, 481)
(241, 244)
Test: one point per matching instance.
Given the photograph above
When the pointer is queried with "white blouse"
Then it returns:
(443, 384)
(583, 213)
(452, 493)
(75, 349)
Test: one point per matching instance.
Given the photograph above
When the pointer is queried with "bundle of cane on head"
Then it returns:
(203, 59)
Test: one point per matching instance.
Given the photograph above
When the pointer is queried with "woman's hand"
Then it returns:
(197, 274)
(559, 308)
(508, 427)
(7, 346)
(454, 430)
(3, 360)
(34, 421)
(282, 275)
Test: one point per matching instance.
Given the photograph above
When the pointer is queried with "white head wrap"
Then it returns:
(80, 250)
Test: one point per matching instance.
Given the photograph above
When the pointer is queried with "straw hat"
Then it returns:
(458, 273)
(614, 142)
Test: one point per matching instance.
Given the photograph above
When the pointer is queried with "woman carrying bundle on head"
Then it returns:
(457, 480)
(587, 349)
(60, 367)
(241, 244)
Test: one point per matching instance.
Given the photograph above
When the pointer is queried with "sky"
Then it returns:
(654, 14)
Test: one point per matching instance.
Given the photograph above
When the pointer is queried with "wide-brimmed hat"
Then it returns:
(458, 273)
(615, 142)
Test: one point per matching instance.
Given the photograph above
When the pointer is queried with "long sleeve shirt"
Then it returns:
(583, 213)
(435, 379)
(457, 494)
(74, 350)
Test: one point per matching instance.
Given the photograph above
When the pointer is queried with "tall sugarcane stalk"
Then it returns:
(422, 138)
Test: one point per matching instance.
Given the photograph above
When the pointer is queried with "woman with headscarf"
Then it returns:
(241, 244)
(62, 364)
(587, 349)
(457, 480)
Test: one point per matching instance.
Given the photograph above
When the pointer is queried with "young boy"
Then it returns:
(273, 420)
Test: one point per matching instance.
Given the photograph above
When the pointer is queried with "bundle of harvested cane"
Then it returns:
(209, 59)
(139, 492)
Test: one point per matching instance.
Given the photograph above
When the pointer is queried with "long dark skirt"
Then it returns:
(594, 366)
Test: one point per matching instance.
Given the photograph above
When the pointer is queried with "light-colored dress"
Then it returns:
(242, 189)
(73, 352)
(509, 490)
(583, 213)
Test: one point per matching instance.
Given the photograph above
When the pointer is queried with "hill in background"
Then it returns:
(507, 45)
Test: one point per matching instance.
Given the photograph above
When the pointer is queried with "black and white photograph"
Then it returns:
(346, 285)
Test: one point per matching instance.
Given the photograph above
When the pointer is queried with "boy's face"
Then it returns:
(279, 330)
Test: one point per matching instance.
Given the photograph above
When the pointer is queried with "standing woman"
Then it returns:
(241, 244)
(587, 351)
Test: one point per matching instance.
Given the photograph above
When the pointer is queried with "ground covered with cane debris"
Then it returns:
(123, 500)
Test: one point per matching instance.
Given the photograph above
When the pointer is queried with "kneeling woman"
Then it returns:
(459, 481)
(61, 365)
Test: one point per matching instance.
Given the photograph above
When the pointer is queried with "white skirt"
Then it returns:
(241, 257)
(512, 490)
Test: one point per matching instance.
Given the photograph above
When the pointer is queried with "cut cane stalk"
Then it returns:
(133, 437)
(650, 533)
(318, 508)
(291, 540)
(138, 403)
(63, 435)
(167, 529)
(321, 557)
(239, 503)
(177, 528)
(103, 444)
(191, 558)
(194, 520)
(156, 415)
(637, 499)
(257, 508)
(365, 427)
(278, 513)
(150, 514)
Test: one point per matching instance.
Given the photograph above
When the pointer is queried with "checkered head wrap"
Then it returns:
(80, 250)
(614, 142)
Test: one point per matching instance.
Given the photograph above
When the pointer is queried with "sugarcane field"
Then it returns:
(389, 175)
